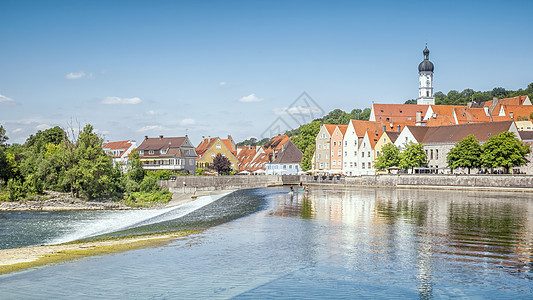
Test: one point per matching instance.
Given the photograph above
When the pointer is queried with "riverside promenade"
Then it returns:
(194, 185)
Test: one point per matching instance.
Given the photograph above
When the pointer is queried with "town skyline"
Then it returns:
(135, 69)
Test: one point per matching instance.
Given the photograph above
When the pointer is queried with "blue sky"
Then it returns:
(136, 68)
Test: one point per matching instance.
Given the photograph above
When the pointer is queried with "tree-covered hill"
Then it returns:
(468, 95)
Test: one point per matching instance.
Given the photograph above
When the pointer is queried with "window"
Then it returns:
(355, 153)
(141, 152)
(290, 166)
(212, 155)
(333, 163)
(334, 144)
(319, 146)
(431, 156)
(326, 146)
(436, 153)
(339, 163)
(319, 156)
(363, 165)
(406, 140)
(377, 153)
(362, 154)
(368, 153)
(327, 165)
(321, 165)
(384, 140)
(355, 143)
(218, 147)
(332, 153)
(164, 151)
(345, 153)
(345, 164)
(223, 154)
(151, 152)
(327, 157)
(345, 143)
(340, 152)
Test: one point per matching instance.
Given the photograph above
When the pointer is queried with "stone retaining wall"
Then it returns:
(192, 184)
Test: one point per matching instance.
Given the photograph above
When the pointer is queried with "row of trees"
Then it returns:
(501, 151)
(468, 95)
(52, 160)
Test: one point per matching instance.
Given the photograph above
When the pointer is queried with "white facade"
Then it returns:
(366, 157)
(425, 89)
(350, 149)
(283, 169)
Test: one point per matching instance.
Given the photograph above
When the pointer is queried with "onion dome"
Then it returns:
(426, 65)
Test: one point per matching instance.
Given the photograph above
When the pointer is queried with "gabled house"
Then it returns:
(168, 153)
(527, 138)
(336, 144)
(210, 147)
(356, 147)
(287, 161)
(387, 137)
(120, 152)
(323, 148)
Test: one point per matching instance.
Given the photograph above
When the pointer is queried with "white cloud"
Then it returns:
(297, 110)
(118, 100)
(6, 100)
(151, 113)
(222, 83)
(250, 98)
(17, 130)
(77, 75)
(151, 128)
(42, 126)
(186, 122)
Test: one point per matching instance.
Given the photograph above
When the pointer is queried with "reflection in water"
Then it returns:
(462, 227)
(336, 243)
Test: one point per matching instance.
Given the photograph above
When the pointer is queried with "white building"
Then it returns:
(120, 151)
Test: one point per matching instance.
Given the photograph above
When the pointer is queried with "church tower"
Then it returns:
(425, 80)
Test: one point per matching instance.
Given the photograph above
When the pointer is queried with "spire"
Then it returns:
(426, 52)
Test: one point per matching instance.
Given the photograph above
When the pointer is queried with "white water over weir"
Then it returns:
(114, 221)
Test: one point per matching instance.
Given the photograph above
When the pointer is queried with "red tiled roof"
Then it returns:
(398, 112)
(120, 145)
(330, 128)
(361, 127)
(204, 145)
(277, 142)
(518, 110)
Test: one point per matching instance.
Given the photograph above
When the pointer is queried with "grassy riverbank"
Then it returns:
(18, 259)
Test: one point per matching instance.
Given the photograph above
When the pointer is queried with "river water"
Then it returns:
(265, 243)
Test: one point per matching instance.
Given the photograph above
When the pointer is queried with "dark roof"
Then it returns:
(161, 143)
(393, 135)
(455, 133)
(290, 155)
(425, 65)
(526, 135)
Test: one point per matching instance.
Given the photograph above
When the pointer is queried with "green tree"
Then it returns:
(389, 157)
(504, 151)
(465, 154)
(305, 141)
(221, 164)
(413, 156)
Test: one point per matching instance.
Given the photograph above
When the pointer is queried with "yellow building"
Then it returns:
(385, 138)
(210, 147)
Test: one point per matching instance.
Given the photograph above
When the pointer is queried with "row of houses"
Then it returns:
(353, 149)
(279, 156)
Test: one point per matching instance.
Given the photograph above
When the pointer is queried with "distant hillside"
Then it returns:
(462, 98)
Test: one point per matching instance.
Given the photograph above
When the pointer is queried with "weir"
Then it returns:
(121, 220)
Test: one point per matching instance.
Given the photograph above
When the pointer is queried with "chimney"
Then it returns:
(160, 137)
(384, 127)
(511, 114)
(399, 128)
(418, 116)
(145, 137)
(520, 99)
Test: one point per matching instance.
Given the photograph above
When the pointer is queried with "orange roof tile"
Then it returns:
(204, 145)
(518, 110)
(330, 128)
(398, 112)
(120, 145)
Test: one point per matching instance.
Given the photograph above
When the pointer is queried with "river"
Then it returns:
(265, 243)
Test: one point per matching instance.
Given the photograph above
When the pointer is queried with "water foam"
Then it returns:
(121, 220)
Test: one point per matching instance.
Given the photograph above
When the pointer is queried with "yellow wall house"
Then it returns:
(208, 149)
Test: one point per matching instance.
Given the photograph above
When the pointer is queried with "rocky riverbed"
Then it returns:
(62, 201)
